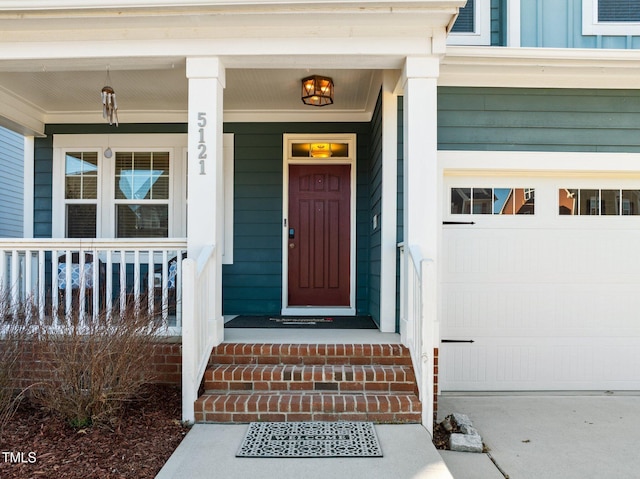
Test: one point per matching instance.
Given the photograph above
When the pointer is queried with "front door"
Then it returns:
(319, 235)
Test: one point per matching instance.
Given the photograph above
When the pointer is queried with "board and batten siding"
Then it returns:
(538, 119)
(253, 283)
(558, 24)
(11, 184)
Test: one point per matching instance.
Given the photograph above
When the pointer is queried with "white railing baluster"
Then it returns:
(150, 283)
(123, 282)
(15, 282)
(136, 279)
(95, 283)
(109, 284)
(28, 297)
(41, 285)
(82, 280)
(55, 286)
(179, 254)
(68, 295)
(165, 288)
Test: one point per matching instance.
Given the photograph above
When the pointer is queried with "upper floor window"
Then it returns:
(473, 25)
(610, 17)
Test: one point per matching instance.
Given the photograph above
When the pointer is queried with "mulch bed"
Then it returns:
(441, 437)
(137, 447)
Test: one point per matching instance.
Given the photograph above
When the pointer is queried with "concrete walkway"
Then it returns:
(209, 451)
(550, 436)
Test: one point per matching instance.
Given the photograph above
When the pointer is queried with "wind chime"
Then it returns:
(109, 104)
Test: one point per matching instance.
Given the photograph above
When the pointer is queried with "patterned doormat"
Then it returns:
(310, 439)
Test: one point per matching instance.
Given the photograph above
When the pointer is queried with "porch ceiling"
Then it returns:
(160, 92)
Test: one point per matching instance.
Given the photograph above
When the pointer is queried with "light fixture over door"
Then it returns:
(317, 90)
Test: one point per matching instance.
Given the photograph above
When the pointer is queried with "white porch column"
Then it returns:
(420, 154)
(204, 212)
(421, 204)
(389, 208)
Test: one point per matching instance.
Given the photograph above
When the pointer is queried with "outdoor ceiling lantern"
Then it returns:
(317, 90)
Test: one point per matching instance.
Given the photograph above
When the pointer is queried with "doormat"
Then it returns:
(310, 439)
(314, 322)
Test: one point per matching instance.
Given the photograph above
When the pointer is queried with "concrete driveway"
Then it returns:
(549, 436)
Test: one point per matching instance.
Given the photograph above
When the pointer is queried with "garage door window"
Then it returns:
(595, 202)
(492, 201)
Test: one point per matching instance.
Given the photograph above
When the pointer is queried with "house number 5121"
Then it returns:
(202, 145)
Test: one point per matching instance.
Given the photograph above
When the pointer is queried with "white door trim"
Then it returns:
(287, 160)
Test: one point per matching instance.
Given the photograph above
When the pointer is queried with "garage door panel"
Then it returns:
(512, 364)
(551, 301)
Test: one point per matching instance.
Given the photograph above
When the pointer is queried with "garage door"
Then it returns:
(542, 273)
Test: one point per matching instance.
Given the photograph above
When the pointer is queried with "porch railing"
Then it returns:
(202, 327)
(57, 276)
(417, 321)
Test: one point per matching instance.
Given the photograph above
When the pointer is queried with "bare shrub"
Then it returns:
(97, 364)
(14, 341)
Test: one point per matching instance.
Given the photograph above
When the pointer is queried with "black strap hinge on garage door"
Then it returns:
(458, 223)
(457, 341)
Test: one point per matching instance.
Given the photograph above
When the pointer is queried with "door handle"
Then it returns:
(292, 245)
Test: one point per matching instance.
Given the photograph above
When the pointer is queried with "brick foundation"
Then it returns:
(166, 361)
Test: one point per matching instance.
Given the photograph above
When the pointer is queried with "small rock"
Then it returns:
(462, 420)
(465, 429)
(465, 443)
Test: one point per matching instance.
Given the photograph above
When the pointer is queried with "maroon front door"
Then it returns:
(319, 235)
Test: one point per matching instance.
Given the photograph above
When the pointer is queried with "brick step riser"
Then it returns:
(310, 378)
(311, 354)
(308, 407)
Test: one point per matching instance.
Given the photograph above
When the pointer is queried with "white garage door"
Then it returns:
(550, 296)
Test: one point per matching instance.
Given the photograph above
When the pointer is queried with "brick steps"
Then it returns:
(315, 382)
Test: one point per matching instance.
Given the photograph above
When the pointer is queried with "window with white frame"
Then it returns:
(138, 192)
(611, 17)
(473, 25)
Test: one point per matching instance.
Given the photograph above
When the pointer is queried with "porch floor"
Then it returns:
(309, 336)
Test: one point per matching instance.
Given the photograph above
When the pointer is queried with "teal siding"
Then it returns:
(375, 208)
(558, 24)
(538, 119)
(11, 184)
(253, 283)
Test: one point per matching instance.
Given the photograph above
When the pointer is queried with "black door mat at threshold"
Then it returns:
(310, 439)
(311, 322)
